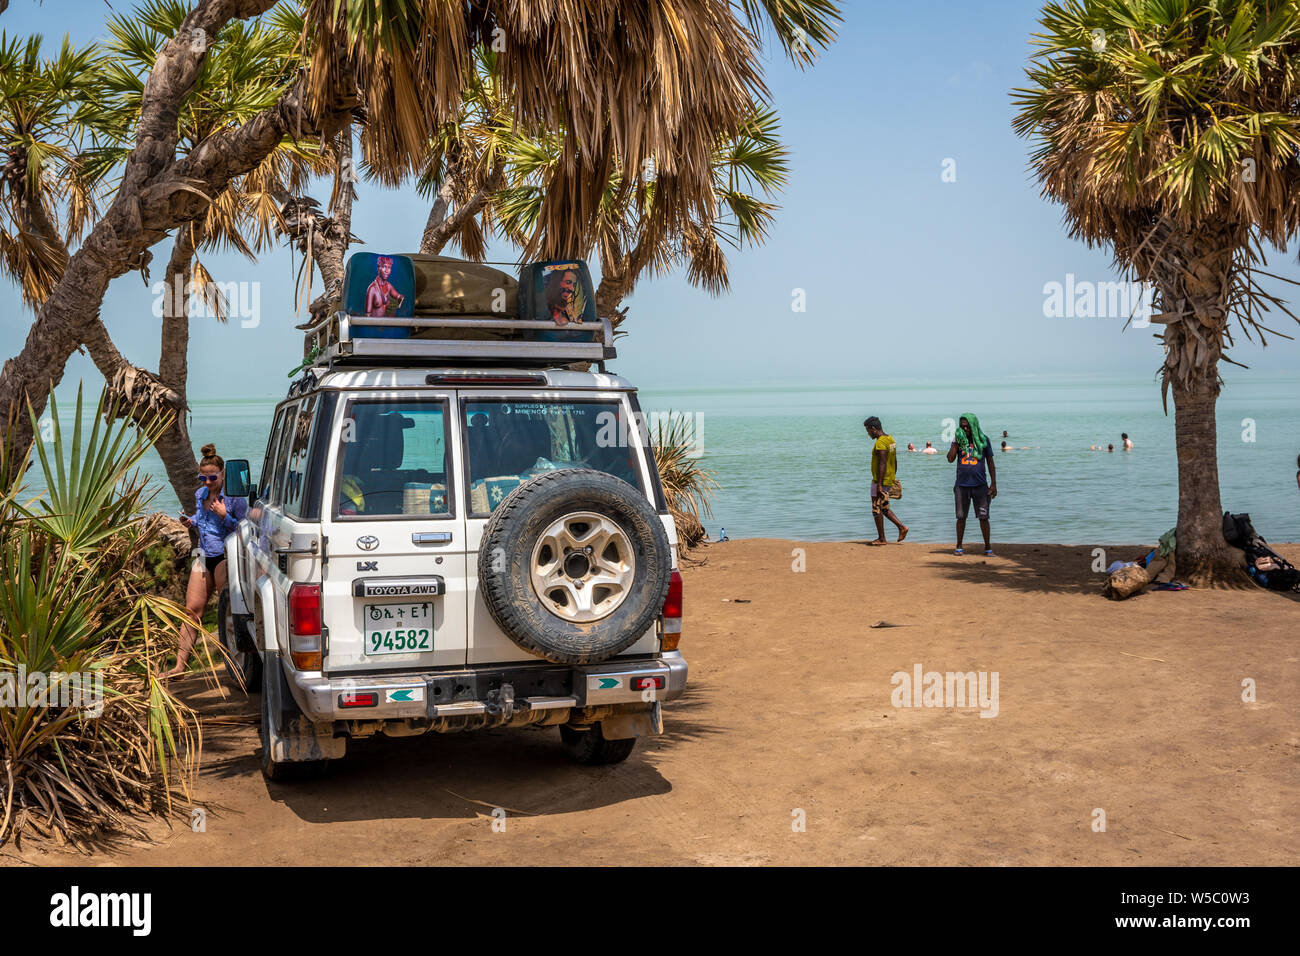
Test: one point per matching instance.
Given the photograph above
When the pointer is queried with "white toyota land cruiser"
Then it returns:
(453, 534)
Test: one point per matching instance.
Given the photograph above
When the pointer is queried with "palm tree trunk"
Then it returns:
(1193, 276)
(341, 212)
(146, 395)
(144, 392)
(1202, 557)
(613, 287)
(174, 445)
(176, 450)
(30, 376)
(431, 242)
(326, 237)
(441, 228)
(173, 358)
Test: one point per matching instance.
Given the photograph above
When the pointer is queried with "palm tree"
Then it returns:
(748, 166)
(487, 175)
(1168, 132)
(628, 80)
(467, 161)
(492, 172)
(48, 106)
(322, 236)
(248, 66)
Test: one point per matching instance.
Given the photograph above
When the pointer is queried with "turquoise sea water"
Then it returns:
(792, 460)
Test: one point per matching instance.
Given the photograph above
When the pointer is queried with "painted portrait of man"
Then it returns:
(564, 299)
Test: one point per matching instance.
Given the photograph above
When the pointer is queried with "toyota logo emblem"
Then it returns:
(367, 542)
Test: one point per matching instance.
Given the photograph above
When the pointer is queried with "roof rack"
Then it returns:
(343, 339)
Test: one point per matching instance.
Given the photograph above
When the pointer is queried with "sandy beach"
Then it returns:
(1132, 708)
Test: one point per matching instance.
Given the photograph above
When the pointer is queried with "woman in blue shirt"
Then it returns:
(215, 517)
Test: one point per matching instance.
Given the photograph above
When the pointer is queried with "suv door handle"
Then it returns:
(430, 537)
(312, 550)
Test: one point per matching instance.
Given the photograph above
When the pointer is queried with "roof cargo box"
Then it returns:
(417, 309)
(447, 286)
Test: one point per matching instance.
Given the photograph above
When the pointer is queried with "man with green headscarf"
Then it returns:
(971, 449)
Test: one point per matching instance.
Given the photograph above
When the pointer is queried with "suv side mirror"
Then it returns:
(239, 478)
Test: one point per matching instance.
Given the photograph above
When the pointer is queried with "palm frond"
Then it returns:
(688, 486)
(1167, 132)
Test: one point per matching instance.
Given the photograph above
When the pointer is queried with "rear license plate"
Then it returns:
(398, 628)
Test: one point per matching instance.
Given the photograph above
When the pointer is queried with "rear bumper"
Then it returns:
(487, 690)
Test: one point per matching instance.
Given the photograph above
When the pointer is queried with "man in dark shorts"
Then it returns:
(884, 468)
(971, 449)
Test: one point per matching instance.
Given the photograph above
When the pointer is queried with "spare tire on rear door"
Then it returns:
(574, 565)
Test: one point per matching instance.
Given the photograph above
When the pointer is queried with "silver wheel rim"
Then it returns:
(582, 567)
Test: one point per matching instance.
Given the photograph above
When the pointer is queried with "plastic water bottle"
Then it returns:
(722, 534)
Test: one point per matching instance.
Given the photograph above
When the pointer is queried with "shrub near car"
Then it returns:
(450, 533)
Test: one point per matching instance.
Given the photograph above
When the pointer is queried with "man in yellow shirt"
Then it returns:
(884, 469)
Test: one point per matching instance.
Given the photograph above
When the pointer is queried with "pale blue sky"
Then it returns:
(906, 276)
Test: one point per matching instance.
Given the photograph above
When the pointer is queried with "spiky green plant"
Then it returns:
(688, 486)
(77, 768)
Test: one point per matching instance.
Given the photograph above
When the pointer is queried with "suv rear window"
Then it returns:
(509, 442)
(393, 460)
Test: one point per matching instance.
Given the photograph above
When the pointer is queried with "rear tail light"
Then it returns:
(671, 621)
(645, 683)
(305, 626)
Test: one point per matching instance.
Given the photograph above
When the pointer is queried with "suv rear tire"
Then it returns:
(279, 771)
(244, 666)
(555, 594)
(590, 747)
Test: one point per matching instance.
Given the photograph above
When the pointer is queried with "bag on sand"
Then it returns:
(1268, 568)
(1126, 582)
(1237, 530)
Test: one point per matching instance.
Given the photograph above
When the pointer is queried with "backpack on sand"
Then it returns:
(1268, 568)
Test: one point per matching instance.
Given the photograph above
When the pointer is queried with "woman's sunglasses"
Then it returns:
(209, 477)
